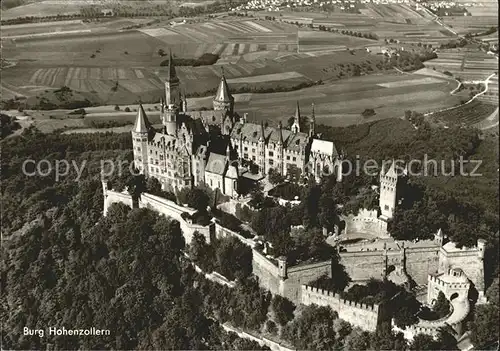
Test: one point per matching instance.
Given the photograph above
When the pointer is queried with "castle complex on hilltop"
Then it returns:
(212, 147)
(215, 147)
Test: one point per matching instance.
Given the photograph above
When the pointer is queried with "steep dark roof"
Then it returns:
(251, 132)
(223, 94)
(142, 124)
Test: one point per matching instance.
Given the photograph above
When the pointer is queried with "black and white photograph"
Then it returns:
(279, 175)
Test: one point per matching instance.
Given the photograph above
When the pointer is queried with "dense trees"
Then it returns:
(8, 124)
(313, 318)
(484, 326)
(228, 256)
(432, 199)
(206, 59)
(442, 306)
(283, 309)
(65, 265)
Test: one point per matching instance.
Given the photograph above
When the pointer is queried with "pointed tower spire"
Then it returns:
(312, 123)
(296, 120)
(223, 99)
(142, 124)
(280, 131)
(262, 131)
(172, 75)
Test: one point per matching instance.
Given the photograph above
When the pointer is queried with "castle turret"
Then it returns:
(172, 98)
(223, 100)
(282, 268)
(439, 237)
(296, 120)
(312, 123)
(262, 149)
(140, 132)
(279, 150)
(481, 247)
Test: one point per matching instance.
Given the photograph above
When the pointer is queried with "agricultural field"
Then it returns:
(473, 24)
(341, 103)
(43, 8)
(336, 104)
(310, 41)
(468, 114)
(51, 55)
(467, 64)
(402, 13)
(491, 95)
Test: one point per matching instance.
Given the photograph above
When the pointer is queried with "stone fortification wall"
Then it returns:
(261, 340)
(363, 265)
(222, 232)
(287, 282)
(367, 317)
(421, 261)
(172, 210)
(303, 274)
(267, 272)
(111, 197)
(161, 205)
(365, 221)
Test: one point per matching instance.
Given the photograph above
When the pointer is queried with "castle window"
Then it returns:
(271, 154)
(253, 158)
(253, 150)
(245, 148)
(294, 159)
(271, 162)
(386, 207)
(245, 156)
(161, 157)
(288, 158)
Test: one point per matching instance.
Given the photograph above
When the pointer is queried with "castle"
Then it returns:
(216, 147)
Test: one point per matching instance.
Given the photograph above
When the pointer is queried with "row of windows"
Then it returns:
(271, 154)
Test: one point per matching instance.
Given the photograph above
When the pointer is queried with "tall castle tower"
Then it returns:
(312, 123)
(223, 100)
(279, 150)
(140, 140)
(388, 190)
(172, 98)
